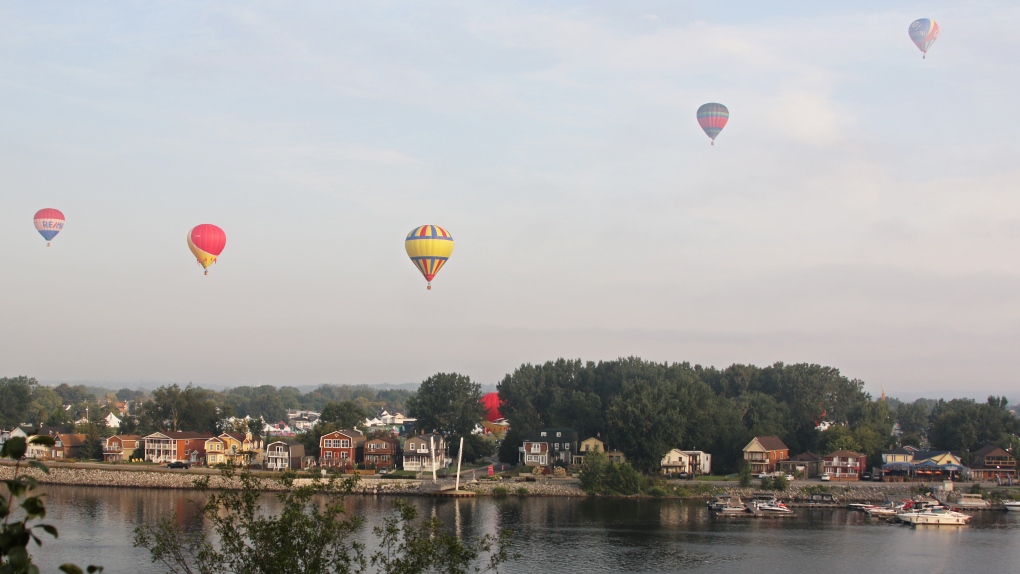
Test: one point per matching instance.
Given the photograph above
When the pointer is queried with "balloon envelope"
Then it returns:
(429, 248)
(924, 32)
(48, 222)
(491, 403)
(712, 118)
(206, 241)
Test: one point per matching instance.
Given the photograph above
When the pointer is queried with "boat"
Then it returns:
(733, 506)
(917, 506)
(971, 502)
(887, 510)
(721, 501)
(1012, 505)
(935, 517)
(774, 507)
(861, 506)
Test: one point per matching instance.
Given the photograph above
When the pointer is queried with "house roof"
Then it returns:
(989, 449)
(536, 435)
(288, 442)
(902, 450)
(771, 443)
(71, 439)
(844, 454)
(805, 457)
(926, 454)
(127, 436)
(183, 435)
(238, 436)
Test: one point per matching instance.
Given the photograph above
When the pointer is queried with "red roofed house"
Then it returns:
(382, 452)
(764, 452)
(341, 449)
(183, 446)
(68, 445)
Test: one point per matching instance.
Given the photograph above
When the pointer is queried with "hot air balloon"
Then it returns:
(429, 247)
(924, 32)
(712, 118)
(206, 241)
(49, 222)
(491, 403)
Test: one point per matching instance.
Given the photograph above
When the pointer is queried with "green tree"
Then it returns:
(312, 534)
(845, 443)
(18, 500)
(73, 395)
(15, 399)
(745, 474)
(447, 402)
(343, 415)
(174, 409)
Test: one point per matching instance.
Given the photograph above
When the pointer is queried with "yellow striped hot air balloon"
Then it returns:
(429, 247)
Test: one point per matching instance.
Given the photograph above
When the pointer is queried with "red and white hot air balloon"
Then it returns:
(49, 222)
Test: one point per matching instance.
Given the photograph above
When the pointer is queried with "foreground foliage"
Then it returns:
(312, 534)
(16, 534)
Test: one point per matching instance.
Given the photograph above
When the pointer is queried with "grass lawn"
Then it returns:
(714, 478)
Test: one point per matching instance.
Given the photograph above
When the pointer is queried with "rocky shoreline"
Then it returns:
(153, 478)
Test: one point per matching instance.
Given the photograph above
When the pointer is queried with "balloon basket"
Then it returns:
(47, 244)
(206, 272)
(429, 287)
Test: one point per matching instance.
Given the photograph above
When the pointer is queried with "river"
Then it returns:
(586, 535)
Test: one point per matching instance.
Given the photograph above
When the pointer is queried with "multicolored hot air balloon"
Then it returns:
(206, 241)
(924, 32)
(429, 247)
(48, 222)
(712, 118)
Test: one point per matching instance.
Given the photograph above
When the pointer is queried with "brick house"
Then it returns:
(174, 446)
(68, 445)
(845, 465)
(764, 452)
(341, 449)
(382, 452)
(120, 447)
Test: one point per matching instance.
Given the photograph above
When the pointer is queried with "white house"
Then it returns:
(112, 421)
(676, 460)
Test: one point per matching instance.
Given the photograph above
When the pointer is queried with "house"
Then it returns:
(424, 453)
(845, 465)
(763, 453)
(239, 449)
(903, 454)
(68, 445)
(285, 455)
(596, 445)
(992, 463)
(382, 452)
(701, 461)
(341, 449)
(39, 451)
(112, 421)
(4, 435)
(804, 465)
(119, 448)
(174, 446)
(302, 420)
(549, 446)
(675, 461)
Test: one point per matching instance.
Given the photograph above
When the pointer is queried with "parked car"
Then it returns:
(683, 475)
(763, 475)
(866, 476)
(825, 477)
(178, 464)
(790, 477)
(383, 470)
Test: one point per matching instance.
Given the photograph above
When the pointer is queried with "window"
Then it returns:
(344, 443)
(343, 455)
(371, 446)
(556, 445)
(558, 434)
(536, 447)
(543, 433)
(329, 454)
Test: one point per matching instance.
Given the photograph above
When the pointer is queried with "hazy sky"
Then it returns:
(860, 210)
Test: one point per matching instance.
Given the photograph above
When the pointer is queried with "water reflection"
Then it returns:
(580, 535)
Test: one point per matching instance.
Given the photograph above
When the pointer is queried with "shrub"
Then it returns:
(500, 491)
(745, 474)
(780, 483)
(560, 472)
(976, 488)
(657, 491)
(522, 491)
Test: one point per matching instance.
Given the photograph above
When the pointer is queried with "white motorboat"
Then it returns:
(971, 502)
(772, 506)
(1012, 505)
(887, 511)
(862, 506)
(935, 517)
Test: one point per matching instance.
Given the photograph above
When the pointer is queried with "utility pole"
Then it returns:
(460, 455)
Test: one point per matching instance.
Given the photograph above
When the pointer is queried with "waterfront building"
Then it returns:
(804, 465)
(175, 446)
(993, 463)
(424, 453)
(845, 465)
(382, 452)
(119, 448)
(546, 447)
(341, 449)
(763, 453)
(285, 454)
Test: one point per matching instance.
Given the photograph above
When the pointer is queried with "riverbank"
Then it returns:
(161, 478)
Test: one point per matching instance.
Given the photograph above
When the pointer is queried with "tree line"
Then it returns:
(640, 407)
